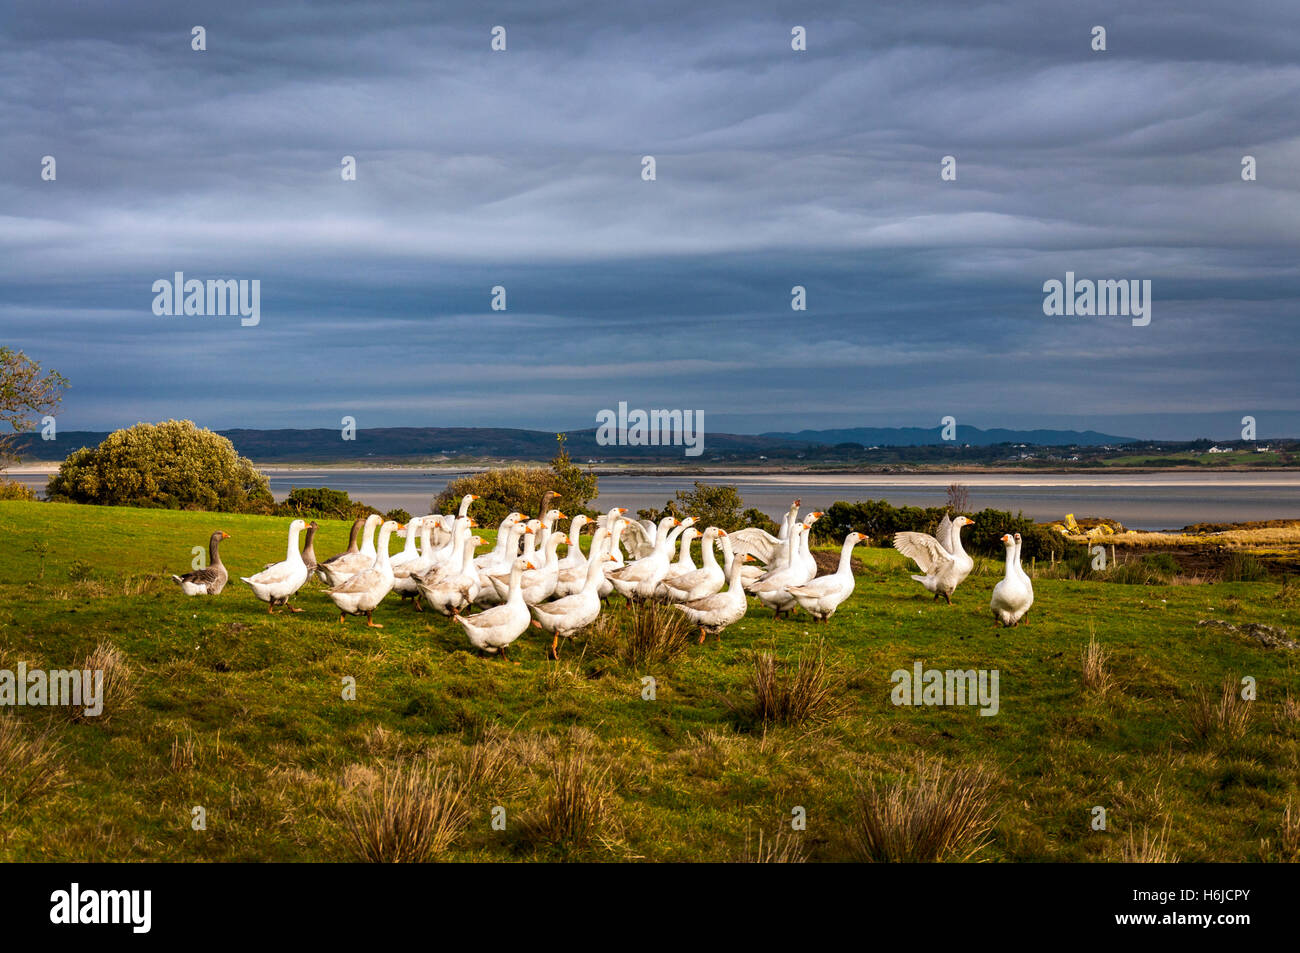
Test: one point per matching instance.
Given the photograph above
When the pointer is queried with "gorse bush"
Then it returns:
(174, 465)
(320, 502)
(719, 506)
(13, 490)
(880, 520)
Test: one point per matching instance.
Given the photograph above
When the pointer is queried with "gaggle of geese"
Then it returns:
(523, 580)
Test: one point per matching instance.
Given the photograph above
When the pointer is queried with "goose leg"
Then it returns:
(948, 596)
(702, 635)
(418, 607)
(343, 617)
(371, 623)
(291, 608)
(555, 646)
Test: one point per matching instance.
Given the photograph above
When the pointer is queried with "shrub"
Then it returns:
(398, 515)
(118, 690)
(13, 490)
(718, 506)
(174, 465)
(506, 489)
(936, 815)
(576, 805)
(320, 502)
(1096, 674)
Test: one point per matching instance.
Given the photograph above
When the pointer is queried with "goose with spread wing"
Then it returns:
(941, 557)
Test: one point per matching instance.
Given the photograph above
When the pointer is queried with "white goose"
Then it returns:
(572, 579)
(337, 570)
(276, 585)
(353, 534)
(705, 581)
(363, 591)
(409, 551)
(573, 556)
(683, 564)
(406, 574)
(564, 617)
(941, 557)
(714, 613)
(638, 580)
(1014, 594)
(761, 544)
(494, 629)
(1020, 568)
(487, 594)
(823, 595)
(773, 589)
(452, 587)
(538, 584)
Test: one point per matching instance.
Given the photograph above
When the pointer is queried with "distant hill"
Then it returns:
(922, 437)
(430, 443)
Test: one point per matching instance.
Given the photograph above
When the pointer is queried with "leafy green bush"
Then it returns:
(507, 489)
(718, 506)
(13, 490)
(398, 515)
(173, 464)
(320, 502)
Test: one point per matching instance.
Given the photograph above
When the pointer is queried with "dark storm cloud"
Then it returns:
(775, 168)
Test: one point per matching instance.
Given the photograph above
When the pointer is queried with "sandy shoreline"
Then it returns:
(1157, 478)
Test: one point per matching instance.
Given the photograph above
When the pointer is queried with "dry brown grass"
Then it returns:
(118, 690)
(31, 761)
(576, 808)
(1096, 673)
(1151, 849)
(1221, 722)
(792, 695)
(784, 848)
(408, 813)
(936, 814)
(185, 752)
(649, 634)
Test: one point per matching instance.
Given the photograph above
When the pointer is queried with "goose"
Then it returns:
(442, 529)
(612, 547)
(211, 579)
(614, 522)
(405, 575)
(568, 615)
(940, 557)
(761, 544)
(698, 583)
(276, 585)
(465, 501)
(538, 583)
(1014, 593)
(782, 560)
(643, 536)
(714, 613)
(773, 589)
(823, 595)
(409, 551)
(363, 591)
(1020, 568)
(487, 595)
(548, 519)
(638, 580)
(454, 586)
(353, 534)
(308, 550)
(499, 556)
(337, 570)
(572, 579)
(573, 557)
(492, 630)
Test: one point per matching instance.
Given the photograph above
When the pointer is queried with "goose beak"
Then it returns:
(225, 536)
(562, 517)
(529, 566)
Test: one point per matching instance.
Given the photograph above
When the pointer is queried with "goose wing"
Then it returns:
(757, 542)
(923, 549)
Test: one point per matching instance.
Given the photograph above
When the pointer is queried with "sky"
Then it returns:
(774, 168)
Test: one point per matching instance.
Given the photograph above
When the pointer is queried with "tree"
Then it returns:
(718, 506)
(506, 489)
(24, 392)
(173, 464)
(958, 499)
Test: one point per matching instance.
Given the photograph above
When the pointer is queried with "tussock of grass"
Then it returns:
(407, 813)
(31, 761)
(792, 695)
(651, 633)
(1097, 678)
(1151, 849)
(576, 807)
(1221, 722)
(118, 688)
(786, 847)
(936, 814)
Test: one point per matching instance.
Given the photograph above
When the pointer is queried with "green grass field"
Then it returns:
(242, 713)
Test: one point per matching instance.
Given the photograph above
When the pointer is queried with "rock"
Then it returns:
(1266, 635)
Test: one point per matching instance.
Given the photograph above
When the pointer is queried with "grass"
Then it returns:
(243, 713)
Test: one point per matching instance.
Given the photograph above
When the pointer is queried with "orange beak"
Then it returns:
(225, 536)
(562, 517)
